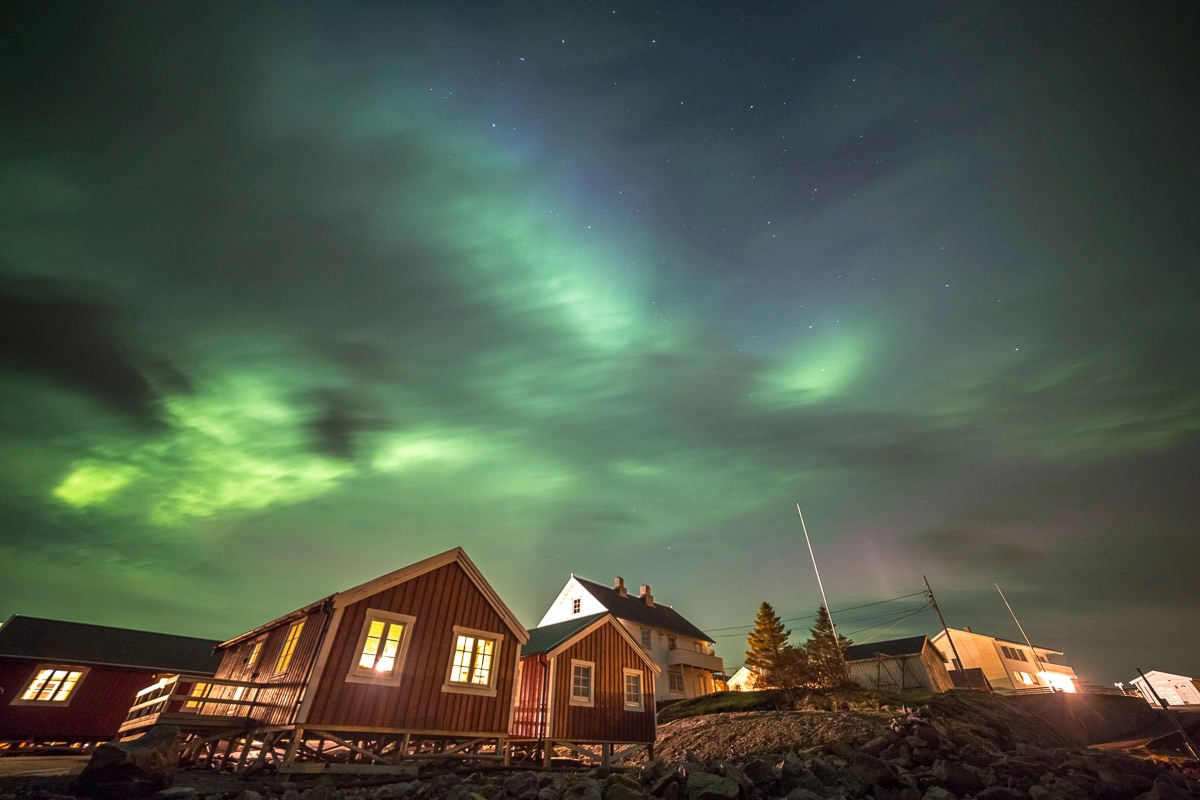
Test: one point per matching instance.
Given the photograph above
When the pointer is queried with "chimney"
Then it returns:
(619, 585)
(645, 595)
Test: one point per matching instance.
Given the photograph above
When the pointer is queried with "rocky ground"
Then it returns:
(957, 747)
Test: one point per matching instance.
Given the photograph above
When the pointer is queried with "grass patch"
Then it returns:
(850, 698)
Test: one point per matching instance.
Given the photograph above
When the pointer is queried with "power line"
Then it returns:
(747, 628)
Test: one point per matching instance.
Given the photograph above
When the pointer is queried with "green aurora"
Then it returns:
(303, 295)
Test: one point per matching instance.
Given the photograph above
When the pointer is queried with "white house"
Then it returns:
(1176, 690)
(680, 649)
(744, 680)
(1008, 666)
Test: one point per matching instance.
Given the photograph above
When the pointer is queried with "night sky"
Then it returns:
(295, 295)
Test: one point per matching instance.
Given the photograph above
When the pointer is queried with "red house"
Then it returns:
(586, 688)
(69, 683)
(418, 663)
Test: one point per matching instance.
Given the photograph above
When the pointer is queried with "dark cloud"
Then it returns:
(339, 418)
(79, 343)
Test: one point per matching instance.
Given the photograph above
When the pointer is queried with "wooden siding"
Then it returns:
(280, 700)
(913, 672)
(607, 720)
(439, 600)
(97, 708)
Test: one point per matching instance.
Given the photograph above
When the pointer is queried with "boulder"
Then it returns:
(704, 786)
(138, 768)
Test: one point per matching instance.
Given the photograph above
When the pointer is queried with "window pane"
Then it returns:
(32, 692)
(483, 662)
(463, 650)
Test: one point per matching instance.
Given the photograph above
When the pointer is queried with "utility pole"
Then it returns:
(1187, 740)
(949, 638)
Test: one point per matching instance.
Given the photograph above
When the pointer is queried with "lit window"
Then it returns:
(675, 679)
(581, 683)
(199, 691)
(255, 651)
(382, 645)
(645, 638)
(473, 662)
(633, 690)
(289, 647)
(576, 605)
(1025, 678)
(51, 684)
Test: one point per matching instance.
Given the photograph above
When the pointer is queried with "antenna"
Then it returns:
(1032, 649)
(821, 585)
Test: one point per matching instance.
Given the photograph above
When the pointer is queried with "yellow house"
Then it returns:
(1008, 666)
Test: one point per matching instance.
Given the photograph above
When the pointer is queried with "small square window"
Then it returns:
(671, 642)
(576, 605)
(582, 683)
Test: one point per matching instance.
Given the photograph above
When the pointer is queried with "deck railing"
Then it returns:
(193, 699)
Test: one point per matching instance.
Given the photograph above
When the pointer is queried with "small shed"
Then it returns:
(418, 663)
(1174, 690)
(912, 664)
(586, 688)
(70, 683)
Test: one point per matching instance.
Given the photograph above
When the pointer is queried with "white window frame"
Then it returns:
(626, 674)
(361, 674)
(37, 671)
(489, 690)
(671, 673)
(577, 700)
(576, 605)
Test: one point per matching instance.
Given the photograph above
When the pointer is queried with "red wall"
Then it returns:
(98, 705)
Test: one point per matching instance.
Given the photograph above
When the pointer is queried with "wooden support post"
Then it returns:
(294, 745)
(547, 754)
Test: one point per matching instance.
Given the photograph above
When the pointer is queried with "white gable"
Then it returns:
(563, 607)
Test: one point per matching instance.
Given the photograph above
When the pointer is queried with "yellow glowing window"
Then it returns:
(199, 691)
(1025, 678)
(51, 685)
(472, 661)
(289, 647)
(255, 651)
(381, 647)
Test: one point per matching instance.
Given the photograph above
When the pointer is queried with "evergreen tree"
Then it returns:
(766, 643)
(825, 656)
(792, 670)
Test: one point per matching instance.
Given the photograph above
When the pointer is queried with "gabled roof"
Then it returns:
(550, 639)
(403, 575)
(910, 646)
(636, 610)
(1047, 650)
(78, 643)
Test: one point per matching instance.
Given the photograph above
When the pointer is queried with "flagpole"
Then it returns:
(821, 585)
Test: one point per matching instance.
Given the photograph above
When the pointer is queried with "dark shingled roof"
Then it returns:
(98, 645)
(911, 646)
(548, 637)
(635, 610)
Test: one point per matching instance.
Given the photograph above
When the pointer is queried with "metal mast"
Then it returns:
(836, 643)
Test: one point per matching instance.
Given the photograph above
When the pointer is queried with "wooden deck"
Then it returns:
(195, 705)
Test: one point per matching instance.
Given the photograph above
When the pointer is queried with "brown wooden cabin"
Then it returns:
(418, 663)
(69, 683)
(586, 688)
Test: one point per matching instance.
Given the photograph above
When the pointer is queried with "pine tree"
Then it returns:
(766, 642)
(825, 657)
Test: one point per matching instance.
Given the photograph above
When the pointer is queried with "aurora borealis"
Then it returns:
(292, 295)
